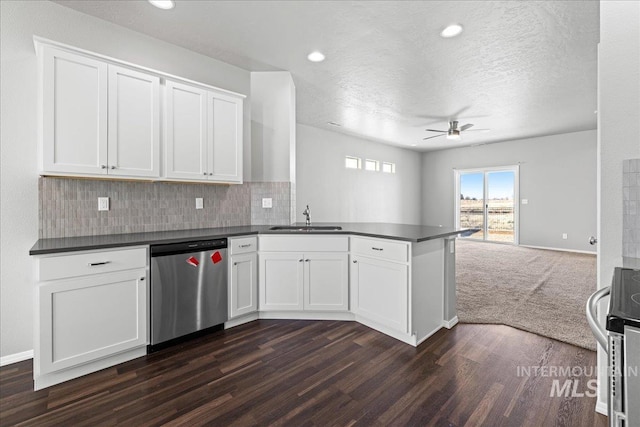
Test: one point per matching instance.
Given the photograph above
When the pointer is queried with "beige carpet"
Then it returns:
(539, 291)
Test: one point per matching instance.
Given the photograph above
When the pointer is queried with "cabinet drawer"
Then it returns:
(277, 243)
(379, 248)
(243, 245)
(94, 262)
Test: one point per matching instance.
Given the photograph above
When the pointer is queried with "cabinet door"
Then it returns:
(280, 277)
(380, 291)
(74, 107)
(244, 284)
(225, 138)
(134, 123)
(186, 132)
(91, 317)
(326, 283)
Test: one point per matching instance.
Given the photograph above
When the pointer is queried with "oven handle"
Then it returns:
(592, 317)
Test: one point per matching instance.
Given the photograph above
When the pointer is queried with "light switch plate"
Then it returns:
(199, 203)
(564, 236)
(525, 201)
(103, 203)
(267, 203)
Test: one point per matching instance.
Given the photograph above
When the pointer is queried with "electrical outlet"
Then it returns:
(525, 201)
(199, 203)
(103, 203)
(267, 203)
(564, 236)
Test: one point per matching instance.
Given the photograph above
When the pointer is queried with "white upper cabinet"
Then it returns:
(98, 118)
(186, 132)
(74, 106)
(101, 117)
(134, 123)
(203, 134)
(225, 138)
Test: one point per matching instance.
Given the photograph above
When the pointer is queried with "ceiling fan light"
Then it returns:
(453, 135)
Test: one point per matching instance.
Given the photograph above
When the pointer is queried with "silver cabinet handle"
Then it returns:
(592, 319)
(593, 240)
(377, 249)
(248, 245)
(95, 264)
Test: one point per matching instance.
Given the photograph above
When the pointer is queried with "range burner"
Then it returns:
(636, 298)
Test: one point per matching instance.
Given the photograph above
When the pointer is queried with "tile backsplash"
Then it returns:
(631, 208)
(69, 207)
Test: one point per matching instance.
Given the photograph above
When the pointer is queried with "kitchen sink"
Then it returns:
(306, 228)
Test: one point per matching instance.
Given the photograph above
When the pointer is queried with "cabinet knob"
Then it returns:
(142, 279)
(307, 260)
(210, 173)
(113, 167)
(300, 260)
(205, 174)
(355, 261)
(103, 166)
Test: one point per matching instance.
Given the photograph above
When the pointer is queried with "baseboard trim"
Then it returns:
(601, 408)
(450, 323)
(560, 249)
(241, 320)
(17, 357)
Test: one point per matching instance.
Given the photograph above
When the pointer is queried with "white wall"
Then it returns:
(337, 194)
(21, 20)
(273, 118)
(557, 176)
(619, 129)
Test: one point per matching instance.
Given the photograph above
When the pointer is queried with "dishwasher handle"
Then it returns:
(592, 316)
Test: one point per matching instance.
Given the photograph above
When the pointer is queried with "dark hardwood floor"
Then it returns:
(304, 373)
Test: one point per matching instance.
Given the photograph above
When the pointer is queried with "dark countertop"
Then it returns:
(405, 232)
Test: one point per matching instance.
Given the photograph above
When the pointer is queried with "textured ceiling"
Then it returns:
(520, 68)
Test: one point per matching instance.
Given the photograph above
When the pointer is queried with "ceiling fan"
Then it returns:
(453, 132)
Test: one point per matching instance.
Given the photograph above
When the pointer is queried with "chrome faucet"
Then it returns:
(307, 213)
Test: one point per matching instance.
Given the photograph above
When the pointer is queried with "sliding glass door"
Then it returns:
(486, 199)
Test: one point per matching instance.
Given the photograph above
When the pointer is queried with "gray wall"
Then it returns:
(557, 176)
(20, 20)
(335, 193)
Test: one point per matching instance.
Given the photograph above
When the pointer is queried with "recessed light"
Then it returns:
(334, 124)
(451, 31)
(163, 4)
(315, 56)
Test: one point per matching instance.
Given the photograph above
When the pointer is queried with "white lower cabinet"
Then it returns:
(313, 278)
(93, 318)
(379, 292)
(243, 284)
(326, 281)
(281, 278)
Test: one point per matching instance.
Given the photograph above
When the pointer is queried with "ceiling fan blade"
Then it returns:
(437, 136)
(478, 130)
(435, 130)
(467, 126)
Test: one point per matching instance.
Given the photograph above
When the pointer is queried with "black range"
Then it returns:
(624, 303)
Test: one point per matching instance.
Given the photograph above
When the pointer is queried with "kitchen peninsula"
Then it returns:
(398, 279)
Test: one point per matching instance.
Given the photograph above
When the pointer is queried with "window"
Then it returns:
(388, 167)
(352, 162)
(371, 165)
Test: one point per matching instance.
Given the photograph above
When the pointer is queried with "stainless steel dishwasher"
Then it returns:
(188, 290)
